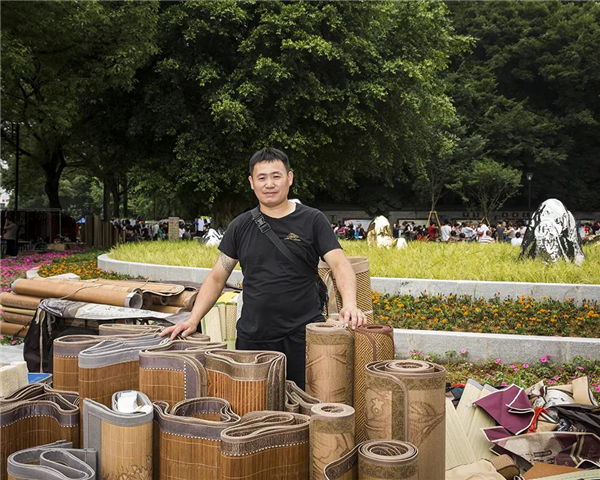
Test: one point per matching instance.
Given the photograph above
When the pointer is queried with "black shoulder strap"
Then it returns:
(265, 228)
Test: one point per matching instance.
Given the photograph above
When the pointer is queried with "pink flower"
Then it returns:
(503, 384)
(498, 360)
(544, 359)
(516, 369)
(525, 365)
(512, 366)
(550, 382)
(14, 342)
(580, 368)
(556, 377)
(463, 350)
(426, 357)
(598, 389)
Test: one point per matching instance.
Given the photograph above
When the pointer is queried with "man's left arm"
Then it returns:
(346, 284)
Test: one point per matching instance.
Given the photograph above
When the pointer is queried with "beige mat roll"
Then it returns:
(377, 460)
(165, 308)
(154, 288)
(10, 299)
(329, 362)
(17, 318)
(20, 311)
(371, 343)
(331, 435)
(184, 299)
(297, 400)
(77, 290)
(405, 400)
(7, 328)
(129, 329)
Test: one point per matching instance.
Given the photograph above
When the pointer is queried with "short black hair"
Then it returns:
(269, 154)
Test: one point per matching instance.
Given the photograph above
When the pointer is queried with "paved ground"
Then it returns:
(11, 353)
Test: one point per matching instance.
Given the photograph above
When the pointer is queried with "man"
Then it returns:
(279, 300)
(445, 231)
(517, 241)
(11, 233)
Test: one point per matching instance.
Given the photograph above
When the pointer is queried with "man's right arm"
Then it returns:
(207, 296)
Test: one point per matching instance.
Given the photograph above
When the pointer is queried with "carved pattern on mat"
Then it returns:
(423, 419)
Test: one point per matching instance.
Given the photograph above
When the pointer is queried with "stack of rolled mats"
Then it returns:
(220, 322)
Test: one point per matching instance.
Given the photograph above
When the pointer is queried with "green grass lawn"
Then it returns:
(462, 261)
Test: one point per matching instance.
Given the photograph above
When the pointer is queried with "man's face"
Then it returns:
(270, 182)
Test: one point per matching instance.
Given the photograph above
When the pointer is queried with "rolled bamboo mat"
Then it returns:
(123, 440)
(7, 328)
(129, 329)
(187, 439)
(160, 300)
(364, 292)
(377, 460)
(165, 308)
(266, 445)
(329, 362)
(65, 352)
(185, 300)
(174, 372)
(17, 318)
(77, 290)
(10, 299)
(47, 462)
(164, 290)
(405, 400)
(331, 435)
(34, 418)
(371, 343)
(21, 311)
(297, 400)
(249, 380)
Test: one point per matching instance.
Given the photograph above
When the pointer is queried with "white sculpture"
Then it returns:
(379, 234)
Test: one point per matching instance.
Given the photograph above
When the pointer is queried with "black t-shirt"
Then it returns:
(278, 299)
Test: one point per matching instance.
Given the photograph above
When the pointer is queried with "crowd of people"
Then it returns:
(140, 231)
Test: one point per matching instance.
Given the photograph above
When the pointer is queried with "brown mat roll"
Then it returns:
(297, 400)
(160, 300)
(331, 435)
(10, 299)
(329, 362)
(364, 292)
(17, 318)
(154, 288)
(65, 370)
(165, 308)
(405, 400)
(185, 300)
(249, 380)
(147, 301)
(377, 460)
(7, 328)
(266, 445)
(197, 454)
(20, 311)
(77, 290)
(35, 418)
(371, 343)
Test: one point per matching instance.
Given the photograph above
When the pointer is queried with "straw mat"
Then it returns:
(17, 318)
(458, 448)
(297, 400)
(405, 400)
(10, 299)
(7, 328)
(329, 362)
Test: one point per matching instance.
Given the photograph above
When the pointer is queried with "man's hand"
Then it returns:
(353, 316)
(183, 328)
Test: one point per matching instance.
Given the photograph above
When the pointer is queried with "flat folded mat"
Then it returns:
(123, 440)
(55, 461)
(297, 400)
(266, 445)
(10, 299)
(187, 438)
(249, 380)
(329, 362)
(331, 435)
(127, 329)
(405, 400)
(33, 416)
(377, 460)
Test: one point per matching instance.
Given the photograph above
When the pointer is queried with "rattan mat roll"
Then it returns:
(10, 299)
(297, 400)
(21, 311)
(184, 300)
(266, 446)
(405, 400)
(165, 308)
(187, 439)
(364, 292)
(76, 290)
(48, 462)
(371, 343)
(65, 369)
(377, 460)
(123, 440)
(164, 290)
(331, 435)
(17, 318)
(7, 328)
(249, 380)
(329, 362)
(32, 417)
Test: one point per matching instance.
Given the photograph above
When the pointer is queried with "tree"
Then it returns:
(486, 185)
(58, 61)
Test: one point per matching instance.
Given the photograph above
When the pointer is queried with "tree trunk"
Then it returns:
(125, 188)
(106, 201)
(53, 169)
(116, 198)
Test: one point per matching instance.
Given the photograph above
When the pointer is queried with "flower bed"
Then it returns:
(13, 268)
(83, 264)
(522, 316)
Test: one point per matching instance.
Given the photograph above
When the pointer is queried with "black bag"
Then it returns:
(298, 262)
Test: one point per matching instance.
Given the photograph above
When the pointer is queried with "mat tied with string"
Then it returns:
(331, 435)
(35, 415)
(329, 362)
(266, 445)
(364, 292)
(377, 460)
(405, 400)
(55, 461)
(249, 380)
(175, 371)
(371, 343)
(187, 438)
(123, 440)
(297, 400)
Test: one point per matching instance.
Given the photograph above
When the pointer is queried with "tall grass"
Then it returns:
(461, 261)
